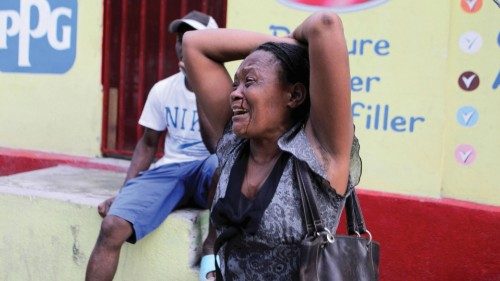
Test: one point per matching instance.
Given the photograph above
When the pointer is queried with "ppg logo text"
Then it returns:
(37, 36)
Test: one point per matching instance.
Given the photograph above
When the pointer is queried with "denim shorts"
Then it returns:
(147, 200)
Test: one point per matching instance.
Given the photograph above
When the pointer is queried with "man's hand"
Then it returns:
(103, 208)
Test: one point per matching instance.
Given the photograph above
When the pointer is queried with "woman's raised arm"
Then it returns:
(330, 121)
(204, 55)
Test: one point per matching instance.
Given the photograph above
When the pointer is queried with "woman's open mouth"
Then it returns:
(239, 111)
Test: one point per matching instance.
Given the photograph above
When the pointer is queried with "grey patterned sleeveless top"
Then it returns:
(273, 252)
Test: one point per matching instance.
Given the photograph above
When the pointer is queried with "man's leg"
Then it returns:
(203, 183)
(104, 259)
(140, 207)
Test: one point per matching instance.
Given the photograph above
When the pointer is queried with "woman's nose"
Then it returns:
(236, 94)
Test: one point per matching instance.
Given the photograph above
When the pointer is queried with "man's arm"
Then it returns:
(144, 154)
(205, 129)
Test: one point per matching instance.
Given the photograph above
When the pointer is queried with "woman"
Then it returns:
(287, 101)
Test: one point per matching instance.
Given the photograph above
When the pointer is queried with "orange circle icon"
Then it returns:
(471, 6)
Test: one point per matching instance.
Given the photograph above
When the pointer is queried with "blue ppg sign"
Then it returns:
(37, 36)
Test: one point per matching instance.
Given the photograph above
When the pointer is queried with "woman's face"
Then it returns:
(259, 98)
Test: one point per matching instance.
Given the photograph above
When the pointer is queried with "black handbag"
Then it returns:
(324, 256)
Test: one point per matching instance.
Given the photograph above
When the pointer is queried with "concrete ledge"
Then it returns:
(49, 225)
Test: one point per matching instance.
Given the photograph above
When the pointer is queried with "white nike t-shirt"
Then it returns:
(171, 106)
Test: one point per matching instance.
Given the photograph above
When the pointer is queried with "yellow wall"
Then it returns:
(58, 112)
(414, 72)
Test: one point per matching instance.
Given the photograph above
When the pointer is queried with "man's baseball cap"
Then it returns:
(195, 20)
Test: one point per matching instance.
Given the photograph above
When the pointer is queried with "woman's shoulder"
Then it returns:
(296, 142)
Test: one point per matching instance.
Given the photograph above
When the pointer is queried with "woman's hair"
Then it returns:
(294, 61)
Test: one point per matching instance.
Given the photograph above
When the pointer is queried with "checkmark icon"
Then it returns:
(468, 81)
(465, 154)
(467, 116)
(470, 42)
(471, 4)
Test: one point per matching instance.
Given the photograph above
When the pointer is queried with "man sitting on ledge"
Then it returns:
(181, 178)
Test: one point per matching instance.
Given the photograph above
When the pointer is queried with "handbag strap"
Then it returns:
(355, 220)
(305, 205)
(313, 221)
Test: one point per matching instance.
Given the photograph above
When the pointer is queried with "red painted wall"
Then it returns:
(421, 238)
(427, 239)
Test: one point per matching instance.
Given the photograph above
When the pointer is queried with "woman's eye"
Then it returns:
(249, 81)
(235, 86)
